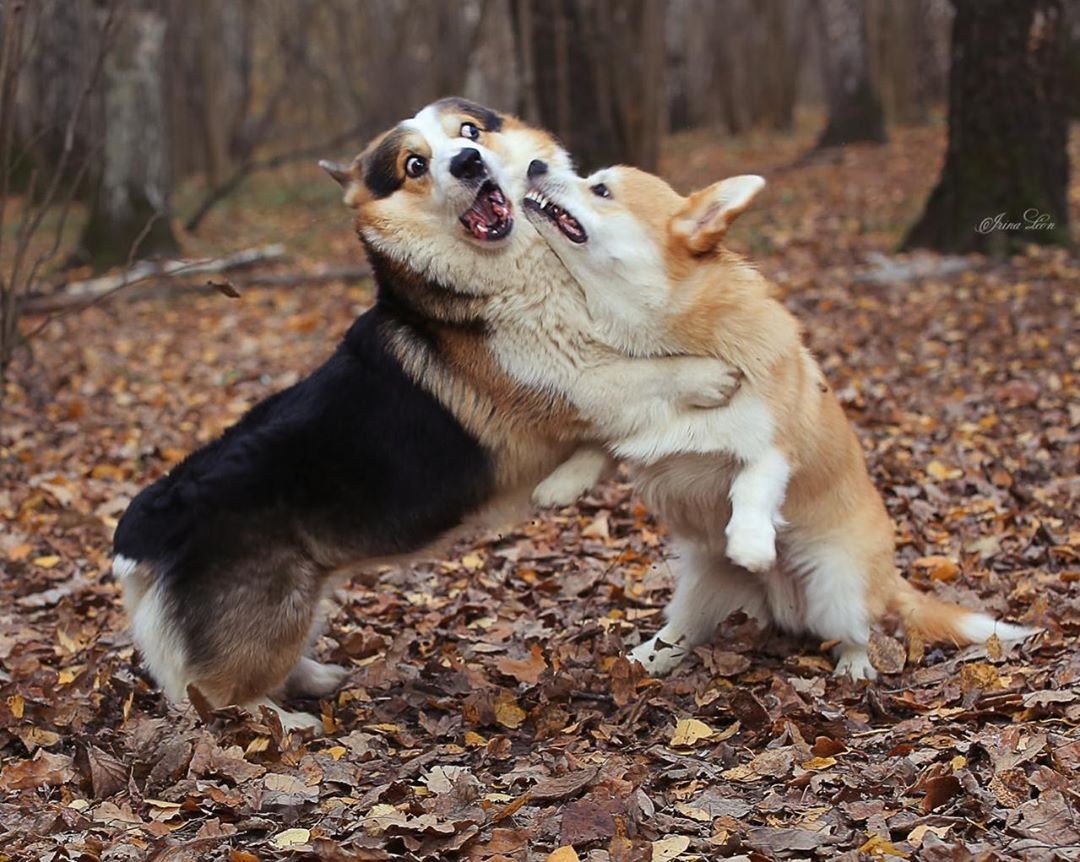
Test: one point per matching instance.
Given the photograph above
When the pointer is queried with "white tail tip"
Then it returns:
(979, 627)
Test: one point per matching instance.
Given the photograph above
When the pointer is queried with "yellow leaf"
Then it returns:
(473, 562)
(474, 740)
(564, 854)
(507, 712)
(698, 814)
(688, 732)
(939, 471)
(337, 752)
(291, 838)
(878, 846)
(598, 529)
(46, 562)
(19, 552)
(17, 705)
(938, 567)
(819, 763)
(669, 848)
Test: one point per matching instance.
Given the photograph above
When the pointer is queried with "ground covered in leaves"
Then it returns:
(490, 713)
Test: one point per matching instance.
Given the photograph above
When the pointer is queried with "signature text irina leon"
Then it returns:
(1032, 219)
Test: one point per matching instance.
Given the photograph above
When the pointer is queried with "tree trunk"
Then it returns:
(596, 76)
(1006, 167)
(130, 213)
(854, 106)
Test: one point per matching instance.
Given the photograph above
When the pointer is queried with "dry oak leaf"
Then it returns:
(887, 655)
(875, 845)
(563, 854)
(564, 787)
(938, 568)
(669, 848)
(45, 769)
(525, 670)
(689, 732)
(291, 838)
(507, 712)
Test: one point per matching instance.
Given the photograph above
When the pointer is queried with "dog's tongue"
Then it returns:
(487, 212)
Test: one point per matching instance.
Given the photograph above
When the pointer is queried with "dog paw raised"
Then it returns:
(752, 546)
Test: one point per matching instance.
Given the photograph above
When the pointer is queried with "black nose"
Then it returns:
(536, 169)
(468, 165)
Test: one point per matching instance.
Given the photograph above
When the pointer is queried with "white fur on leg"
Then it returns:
(289, 720)
(854, 661)
(311, 678)
(708, 589)
(153, 629)
(576, 475)
(757, 495)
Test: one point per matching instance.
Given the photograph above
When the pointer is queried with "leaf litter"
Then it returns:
(490, 713)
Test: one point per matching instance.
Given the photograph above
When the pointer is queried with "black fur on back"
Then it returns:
(354, 461)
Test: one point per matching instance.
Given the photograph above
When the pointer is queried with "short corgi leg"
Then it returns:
(835, 583)
(311, 678)
(707, 591)
(757, 495)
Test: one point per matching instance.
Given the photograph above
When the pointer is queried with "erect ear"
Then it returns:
(347, 176)
(701, 224)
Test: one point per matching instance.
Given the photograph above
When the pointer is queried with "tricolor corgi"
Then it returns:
(773, 510)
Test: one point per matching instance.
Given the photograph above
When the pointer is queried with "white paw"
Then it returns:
(559, 490)
(854, 661)
(658, 657)
(752, 546)
(312, 678)
(290, 721)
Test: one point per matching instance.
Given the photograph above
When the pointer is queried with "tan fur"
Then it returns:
(672, 287)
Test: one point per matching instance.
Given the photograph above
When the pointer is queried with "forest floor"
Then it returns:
(490, 713)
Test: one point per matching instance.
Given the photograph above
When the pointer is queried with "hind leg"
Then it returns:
(250, 634)
(836, 585)
(708, 589)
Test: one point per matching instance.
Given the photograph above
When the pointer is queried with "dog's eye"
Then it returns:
(600, 190)
(415, 166)
(470, 131)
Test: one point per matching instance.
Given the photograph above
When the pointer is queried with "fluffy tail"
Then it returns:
(936, 620)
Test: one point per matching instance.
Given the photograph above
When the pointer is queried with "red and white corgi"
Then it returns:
(772, 509)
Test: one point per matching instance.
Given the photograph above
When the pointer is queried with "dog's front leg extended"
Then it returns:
(757, 495)
(573, 477)
(631, 395)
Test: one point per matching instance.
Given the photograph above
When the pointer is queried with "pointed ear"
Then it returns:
(347, 176)
(707, 215)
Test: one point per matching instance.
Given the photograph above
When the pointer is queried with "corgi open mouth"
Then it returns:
(569, 226)
(489, 218)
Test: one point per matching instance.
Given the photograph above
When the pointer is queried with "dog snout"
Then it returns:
(536, 169)
(468, 165)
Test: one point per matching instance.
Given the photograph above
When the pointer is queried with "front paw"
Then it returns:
(558, 490)
(657, 657)
(711, 387)
(752, 546)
